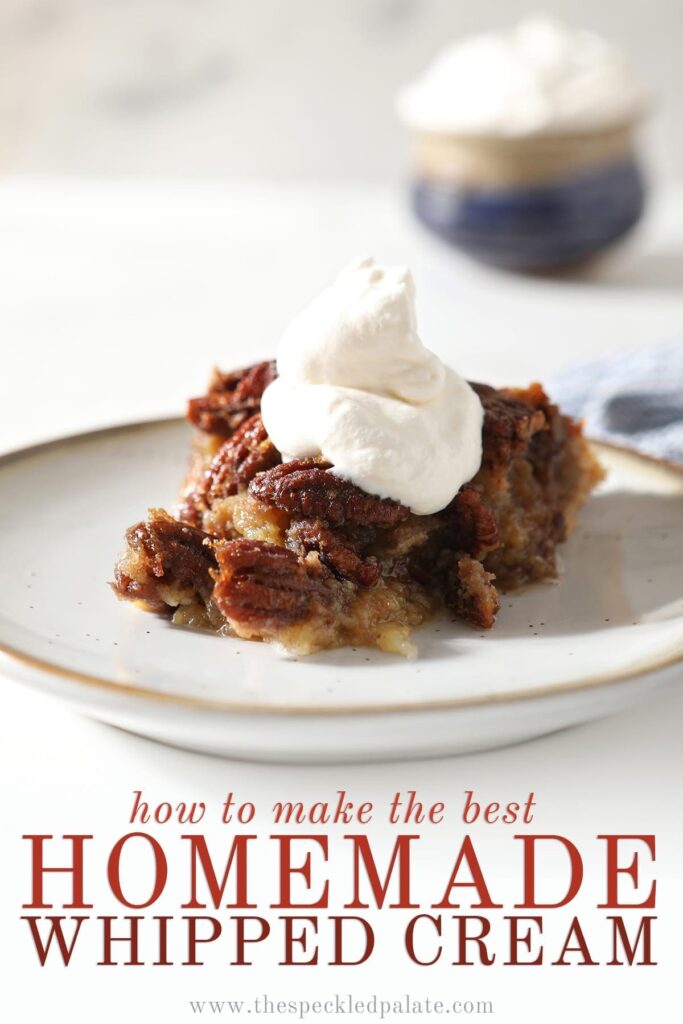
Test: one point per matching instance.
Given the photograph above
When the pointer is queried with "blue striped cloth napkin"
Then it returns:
(634, 399)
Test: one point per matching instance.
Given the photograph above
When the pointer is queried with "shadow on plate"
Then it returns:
(623, 564)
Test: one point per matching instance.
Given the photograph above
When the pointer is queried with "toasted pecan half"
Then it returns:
(249, 451)
(304, 487)
(336, 552)
(510, 420)
(164, 561)
(265, 587)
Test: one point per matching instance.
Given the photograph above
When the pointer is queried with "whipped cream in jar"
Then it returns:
(524, 144)
(539, 78)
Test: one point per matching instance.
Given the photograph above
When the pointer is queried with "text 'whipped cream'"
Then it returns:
(356, 385)
(539, 77)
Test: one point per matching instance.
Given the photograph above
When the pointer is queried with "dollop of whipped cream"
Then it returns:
(356, 385)
(539, 77)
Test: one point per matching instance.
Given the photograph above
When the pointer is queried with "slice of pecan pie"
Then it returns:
(288, 552)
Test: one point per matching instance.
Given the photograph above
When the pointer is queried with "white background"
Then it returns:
(107, 286)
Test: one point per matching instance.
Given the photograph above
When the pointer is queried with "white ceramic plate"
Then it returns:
(560, 654)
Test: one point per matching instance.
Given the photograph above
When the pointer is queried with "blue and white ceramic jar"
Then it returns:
(525, 145)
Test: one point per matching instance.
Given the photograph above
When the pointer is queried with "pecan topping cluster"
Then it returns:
(231, 399)
(337, 538)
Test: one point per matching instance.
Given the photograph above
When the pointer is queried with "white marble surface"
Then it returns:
(264, 87)
(115, 300)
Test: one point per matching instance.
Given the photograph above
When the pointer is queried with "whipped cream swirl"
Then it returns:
(356, 385)
(539, 77)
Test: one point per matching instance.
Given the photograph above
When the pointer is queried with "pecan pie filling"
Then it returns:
(287, 551)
